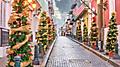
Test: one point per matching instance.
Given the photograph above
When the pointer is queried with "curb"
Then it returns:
(112, 62)
(44, 63)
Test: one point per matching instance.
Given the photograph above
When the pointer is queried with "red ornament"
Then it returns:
(20, 55)
(30, 52)
(94, 19)
(30, 46)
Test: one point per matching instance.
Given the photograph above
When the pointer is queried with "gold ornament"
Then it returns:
(9, 51)
(113, 13)
(11, 63)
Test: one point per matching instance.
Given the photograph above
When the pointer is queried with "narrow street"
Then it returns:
(67, 53)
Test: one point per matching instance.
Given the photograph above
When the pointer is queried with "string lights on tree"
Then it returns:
(112, 34)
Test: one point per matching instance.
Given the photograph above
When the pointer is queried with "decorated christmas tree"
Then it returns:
(112, 34)
(54, 32)
(49, 31)
(93, 33)
(19, 34)
(85, 34)
(42, 34)
(78, 30)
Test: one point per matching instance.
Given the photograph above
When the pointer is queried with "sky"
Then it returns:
(61, 9)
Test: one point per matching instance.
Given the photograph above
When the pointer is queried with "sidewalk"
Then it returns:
(3, 62)
(114, 62)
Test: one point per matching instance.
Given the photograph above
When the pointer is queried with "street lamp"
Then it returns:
(36, 60)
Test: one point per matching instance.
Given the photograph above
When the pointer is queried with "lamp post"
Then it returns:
(36, 60)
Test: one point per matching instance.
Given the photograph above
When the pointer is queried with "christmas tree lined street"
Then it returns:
(59, 33)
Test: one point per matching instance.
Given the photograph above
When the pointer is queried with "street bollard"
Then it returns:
(101, 46)
(97, 48)
(36, 60)
(17, 60)
(116, 56)
(81, 39)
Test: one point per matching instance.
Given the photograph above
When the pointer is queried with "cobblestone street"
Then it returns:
(67, 53)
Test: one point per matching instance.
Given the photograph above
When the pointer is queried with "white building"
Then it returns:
(5, 11)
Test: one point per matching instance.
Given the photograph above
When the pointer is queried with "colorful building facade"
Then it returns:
(109, 6)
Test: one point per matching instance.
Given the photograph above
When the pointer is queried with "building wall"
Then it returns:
(113, 5)
(5, 11)
(117, 9)
(106, 13)
(85, 17)
(93, 6)
(4, 16)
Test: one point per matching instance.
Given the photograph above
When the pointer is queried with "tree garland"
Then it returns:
(19, 34)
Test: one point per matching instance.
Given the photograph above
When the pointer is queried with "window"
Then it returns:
(0, 37)
(4, 37)
(0, 13)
